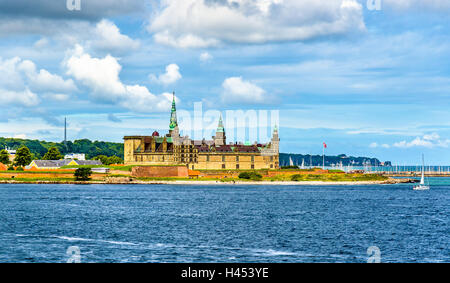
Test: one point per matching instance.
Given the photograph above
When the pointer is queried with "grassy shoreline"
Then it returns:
(165, 181)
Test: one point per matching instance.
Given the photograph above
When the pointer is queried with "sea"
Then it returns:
(224, 223)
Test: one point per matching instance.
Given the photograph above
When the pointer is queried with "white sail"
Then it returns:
(422, 180)
(291, 163)
(422, 186)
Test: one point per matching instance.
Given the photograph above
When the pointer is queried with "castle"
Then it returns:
(215, 154)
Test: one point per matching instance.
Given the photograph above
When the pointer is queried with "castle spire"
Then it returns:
(220, 127)
(173, 115)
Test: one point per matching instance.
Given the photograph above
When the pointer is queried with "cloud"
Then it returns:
(20, 81)
(101, 76)
(107, 36)
(237, 90)
(376, 145)
(43, 80)
(21, 98)
(114, 118)
(428, 141)
(205, 56)
(171, 76)
(203, 23)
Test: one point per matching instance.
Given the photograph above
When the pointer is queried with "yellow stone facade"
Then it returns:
(215, 154)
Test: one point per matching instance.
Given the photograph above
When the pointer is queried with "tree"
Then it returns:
(114, 160)
(4, 157)
(23, 156)
(83, 174)
(53, 154)
(109, 160)
(102, 158)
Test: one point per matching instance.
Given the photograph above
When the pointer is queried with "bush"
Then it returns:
(250, 176)
(296, 177)
(289, 167)
(244, 175)
(20, 168)
(11, 168)
(83, 174)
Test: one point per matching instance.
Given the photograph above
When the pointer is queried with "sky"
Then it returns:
(369, 78)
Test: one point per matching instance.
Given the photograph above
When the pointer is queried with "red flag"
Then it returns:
(324, 145)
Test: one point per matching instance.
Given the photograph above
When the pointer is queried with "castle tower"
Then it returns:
(275, 140)
(220, 137)
(173, 126)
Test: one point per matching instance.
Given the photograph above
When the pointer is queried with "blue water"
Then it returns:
(163, 223)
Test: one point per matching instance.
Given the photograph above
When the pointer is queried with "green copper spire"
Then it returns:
(173, 115)
(220, 128)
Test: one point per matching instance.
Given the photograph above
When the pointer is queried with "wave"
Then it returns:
(271, 252)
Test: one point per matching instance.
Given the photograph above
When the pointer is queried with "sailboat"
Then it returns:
(422, 186)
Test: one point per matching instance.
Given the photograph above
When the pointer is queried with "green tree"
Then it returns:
(4, 157)
(83, 174)
(53, 154)
(23, 156)
(114, 160)
(102, 158)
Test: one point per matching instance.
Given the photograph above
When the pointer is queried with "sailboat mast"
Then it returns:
(422, 180)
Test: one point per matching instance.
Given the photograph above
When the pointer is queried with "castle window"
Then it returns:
(207, 158)
(253, 158)
(237, 166)
(237, 158)
(271, 166)
(223, 166)
(253, 166)
(223, 158)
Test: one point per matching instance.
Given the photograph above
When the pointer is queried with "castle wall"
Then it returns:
(160, 171)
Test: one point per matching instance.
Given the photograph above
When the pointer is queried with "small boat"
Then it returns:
(422, 186)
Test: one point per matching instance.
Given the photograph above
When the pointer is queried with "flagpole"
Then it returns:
(323, 157)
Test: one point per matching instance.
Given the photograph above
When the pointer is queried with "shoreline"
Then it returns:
(218, 182)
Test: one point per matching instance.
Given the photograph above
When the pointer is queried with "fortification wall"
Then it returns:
(159, 171)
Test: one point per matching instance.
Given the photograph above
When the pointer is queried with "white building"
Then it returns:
(77, 156)
(12, 153)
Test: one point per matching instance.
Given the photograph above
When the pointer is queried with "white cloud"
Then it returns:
(171, 75)
(429, 141)
(20, 82)
(20, 136)
(101, 76)
(22, 98)
(107, 36)
(237, 90)
(376, 145)
(43, 42)
(205, 56)
(202, 23)
(44, 80)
